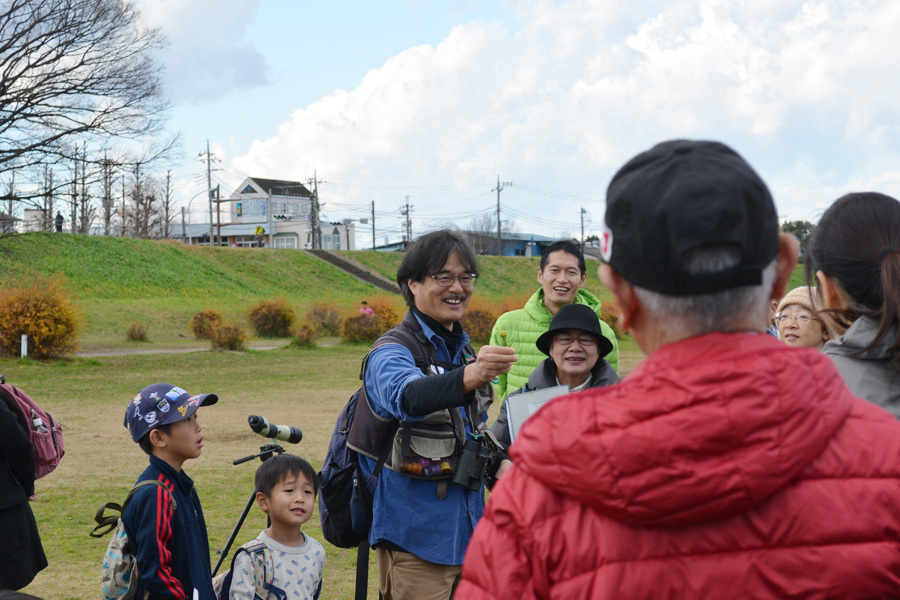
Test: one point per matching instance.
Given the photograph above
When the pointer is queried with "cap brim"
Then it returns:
(175, 416)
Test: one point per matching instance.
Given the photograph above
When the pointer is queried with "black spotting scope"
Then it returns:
(291, 435)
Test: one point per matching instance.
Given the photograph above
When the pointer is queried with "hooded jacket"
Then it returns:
(869, 374)
(524, 326)
(726, 465)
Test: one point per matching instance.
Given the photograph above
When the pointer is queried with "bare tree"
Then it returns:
(481, 234)
(106, 194)
(47, 195)
(142, 215)
(74, 70)
(167, 208)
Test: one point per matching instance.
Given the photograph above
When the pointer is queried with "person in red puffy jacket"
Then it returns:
(727, 464)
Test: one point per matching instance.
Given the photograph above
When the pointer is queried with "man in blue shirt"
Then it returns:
(422, 526)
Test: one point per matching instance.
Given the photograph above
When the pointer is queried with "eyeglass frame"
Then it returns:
(799, 317)
(453, 278)
(593, 339)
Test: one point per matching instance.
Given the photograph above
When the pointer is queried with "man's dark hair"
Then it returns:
(566, 246)
(144, 442)
(278, 468)
(428, 254)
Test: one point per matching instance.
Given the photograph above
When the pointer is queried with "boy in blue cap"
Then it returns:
(165, 522)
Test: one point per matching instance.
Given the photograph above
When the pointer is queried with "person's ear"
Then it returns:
(788, 251)
(263, 501)
(157, 438)
(831, 292)
(583, 279)
(540, 275)
(623, 295)
(413, 286)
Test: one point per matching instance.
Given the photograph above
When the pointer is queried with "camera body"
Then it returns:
(472, 466)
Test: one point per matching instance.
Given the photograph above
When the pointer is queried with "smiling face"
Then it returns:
(445, 305)
(574, 360)
(289, 504)
(796, 332)
(561, 279)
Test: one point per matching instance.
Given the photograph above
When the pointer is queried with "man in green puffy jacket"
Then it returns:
(561, 275)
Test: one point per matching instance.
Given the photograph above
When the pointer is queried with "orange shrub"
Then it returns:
(362, 328)
(272, 318)
(304, 336)
(137, 332)
(610, 316)
(479, 319)
(478, 324)
(204, 323)
(389, 311)
(42, 310)
(513, 302)
(324, 316)
(228, 336)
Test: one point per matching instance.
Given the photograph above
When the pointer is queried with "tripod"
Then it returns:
(265, 453)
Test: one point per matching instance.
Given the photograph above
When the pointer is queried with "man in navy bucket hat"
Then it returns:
(164, 520)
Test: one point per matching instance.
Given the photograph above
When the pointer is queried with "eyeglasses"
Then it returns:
(465, 280)
(564, 339)
(800, 317)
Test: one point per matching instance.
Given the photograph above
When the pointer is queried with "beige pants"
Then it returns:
(403, 576)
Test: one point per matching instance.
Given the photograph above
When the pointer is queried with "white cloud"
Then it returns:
(208, 54)
(806, 90)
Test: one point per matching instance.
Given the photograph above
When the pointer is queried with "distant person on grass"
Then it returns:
(286, 492)
(562, 276)
(171, 545)
(365, 310)
(727, 464)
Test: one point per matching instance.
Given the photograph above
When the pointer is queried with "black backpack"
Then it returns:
(345, 493)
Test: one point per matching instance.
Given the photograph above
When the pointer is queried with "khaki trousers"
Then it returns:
(404, 576)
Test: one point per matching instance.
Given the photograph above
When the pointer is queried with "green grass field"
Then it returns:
(117, 281)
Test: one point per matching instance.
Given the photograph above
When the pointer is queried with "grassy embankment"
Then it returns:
(118, 281)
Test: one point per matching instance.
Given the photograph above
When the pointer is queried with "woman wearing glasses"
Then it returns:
(576, 347)
(799, 324)
(854, 254)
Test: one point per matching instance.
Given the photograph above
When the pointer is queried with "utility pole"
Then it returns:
(218, 218)
(314, 211)
(373, 225)
(208, 158)
(405, 213)
(499, 189)
(582, 228)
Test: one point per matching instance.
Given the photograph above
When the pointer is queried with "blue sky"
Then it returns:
(434, 99)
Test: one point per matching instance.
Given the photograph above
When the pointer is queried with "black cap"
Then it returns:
(680, 195)
(575, 316)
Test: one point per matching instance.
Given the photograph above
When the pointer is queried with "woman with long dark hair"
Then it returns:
(855, 256)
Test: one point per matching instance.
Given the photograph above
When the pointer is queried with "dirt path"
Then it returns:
(94, 352)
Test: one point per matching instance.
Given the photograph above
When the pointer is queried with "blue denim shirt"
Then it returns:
(407, 511)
